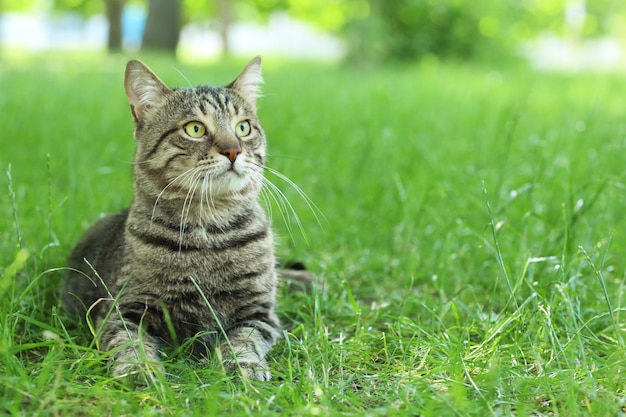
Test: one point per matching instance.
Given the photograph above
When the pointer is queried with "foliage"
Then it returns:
(470, 259)
(18, 5)
(330, 15)
(409, 29)
(529, 18)
(85, 7)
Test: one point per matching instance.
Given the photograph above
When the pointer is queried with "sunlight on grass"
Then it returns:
(468, 240)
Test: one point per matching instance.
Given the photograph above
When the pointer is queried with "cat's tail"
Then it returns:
(296, 276)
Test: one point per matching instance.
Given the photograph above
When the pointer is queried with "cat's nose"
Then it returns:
(232, 153)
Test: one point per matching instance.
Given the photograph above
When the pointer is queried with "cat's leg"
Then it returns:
(134, 351)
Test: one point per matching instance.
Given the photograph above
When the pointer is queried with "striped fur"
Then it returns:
(193, 256)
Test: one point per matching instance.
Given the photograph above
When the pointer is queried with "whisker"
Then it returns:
(219, 220)
(205, 196)
(184, 216)
(312, 206)
(271, 191)
(284, 207)
(183, 75)
(202, 192)
(208, 198)
(267, 203)
(180, 177)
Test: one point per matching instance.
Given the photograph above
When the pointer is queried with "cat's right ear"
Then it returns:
(143, 88)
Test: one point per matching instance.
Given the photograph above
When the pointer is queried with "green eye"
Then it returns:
(195, 129)
(243, 129)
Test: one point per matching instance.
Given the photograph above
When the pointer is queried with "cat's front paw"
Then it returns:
(136, 368)
(137, 374)
(256, 370)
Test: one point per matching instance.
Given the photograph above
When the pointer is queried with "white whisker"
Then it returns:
(181, 176)
(206, 197)
(314, 209)
(184, 215)
(267, 202)
(273, 192)
(284, 207)
(212, 207)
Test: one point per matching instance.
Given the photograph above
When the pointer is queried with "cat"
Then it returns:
(192, 258)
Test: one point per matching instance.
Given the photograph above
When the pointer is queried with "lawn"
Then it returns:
(468, 238)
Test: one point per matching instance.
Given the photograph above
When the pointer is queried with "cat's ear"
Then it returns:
(248, 83)
(143, 88)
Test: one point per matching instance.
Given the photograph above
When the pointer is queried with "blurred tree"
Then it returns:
(165, 18)
(225, 14)
(163, 26)
(114, 16)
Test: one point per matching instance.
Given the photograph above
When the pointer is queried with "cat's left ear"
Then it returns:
(143, 88)
(248, 83)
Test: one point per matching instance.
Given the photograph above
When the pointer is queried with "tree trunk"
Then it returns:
(225, 17)
(114, 15)
(163, 26)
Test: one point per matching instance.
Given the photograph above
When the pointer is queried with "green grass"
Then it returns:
(470, 259)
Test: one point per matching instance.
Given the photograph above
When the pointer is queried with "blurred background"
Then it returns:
(567, 34)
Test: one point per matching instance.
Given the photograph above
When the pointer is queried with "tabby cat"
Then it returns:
(193, 256)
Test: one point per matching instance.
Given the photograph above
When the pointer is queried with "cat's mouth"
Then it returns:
(205, 182)
(230, 180)
(223, 172)
(235, 169)
(229, 175)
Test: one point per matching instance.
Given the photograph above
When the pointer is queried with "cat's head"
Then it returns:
(204, 142)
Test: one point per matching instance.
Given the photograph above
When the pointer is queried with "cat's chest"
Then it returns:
(199, 252)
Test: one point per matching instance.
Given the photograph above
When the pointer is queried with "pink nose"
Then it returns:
(231, 153)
